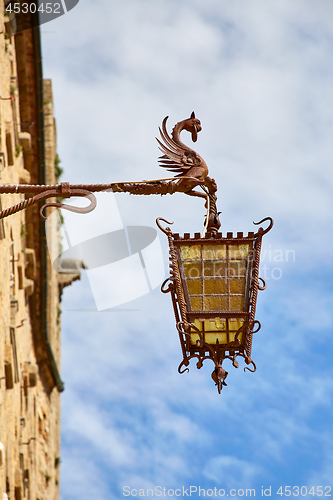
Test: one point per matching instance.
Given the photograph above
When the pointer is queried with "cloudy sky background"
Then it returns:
(259, 76)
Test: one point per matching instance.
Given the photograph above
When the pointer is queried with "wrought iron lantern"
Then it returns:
(214, 279)
(214, 282)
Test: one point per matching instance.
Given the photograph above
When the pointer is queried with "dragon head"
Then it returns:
(193, 125)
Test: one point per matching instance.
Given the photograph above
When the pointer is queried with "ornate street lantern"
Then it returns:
(214, 283)
(214, 279)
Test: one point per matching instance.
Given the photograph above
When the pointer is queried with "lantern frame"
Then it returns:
(191, 323)
(192, 171)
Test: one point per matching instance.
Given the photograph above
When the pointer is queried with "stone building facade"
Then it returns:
(30, 290)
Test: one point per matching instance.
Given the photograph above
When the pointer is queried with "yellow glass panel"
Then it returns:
(210, 326)
(191, 252)
(214, 252)
(217, 303)
(235, 324)
(194, 286)
(233, 334)
(215, 286)
(237, 268)
(192, 269)
(196, 303)
(217, 330)
(237, 285)
(238, 251)
(222, 324)
(214, 325)
(219, 325)
(194, 338)
(236, 303)
(233, 328)
(210, 338)
(198, 324)
(217, 268)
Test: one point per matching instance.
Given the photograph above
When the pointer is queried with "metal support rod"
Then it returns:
(154, 187)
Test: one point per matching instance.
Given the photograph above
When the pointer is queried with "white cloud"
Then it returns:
(81, 477)
(93, 428)
(230, 471)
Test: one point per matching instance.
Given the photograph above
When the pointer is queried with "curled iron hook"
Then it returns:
(70, 208)
(261, 230)
(239, 331)
(252, 363)
(259, 326)
(181, 327)
(185, 362)
(167, 290)
(263, 287)
(167, 230)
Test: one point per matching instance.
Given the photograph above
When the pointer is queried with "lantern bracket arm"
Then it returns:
(72, 208)
(168, 185)
(40, 192)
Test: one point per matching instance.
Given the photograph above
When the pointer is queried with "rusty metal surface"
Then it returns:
(66, 190)
(183, 160)
(191, 168)
(241, 344)
(179, 158)
(192, 172)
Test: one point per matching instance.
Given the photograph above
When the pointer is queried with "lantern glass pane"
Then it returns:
(214, 252)
(216, 268)
(191, 252)
(194, 286)
(215, 303)
(238, 251)
(214, 286)
(193, 269)
(237, 285)
(196, 303)
(217, 276)
(211, 338)
(237, 267)
(223, 330)
(236, 303)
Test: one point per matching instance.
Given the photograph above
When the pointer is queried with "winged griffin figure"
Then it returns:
(177, 157)
(188, 164)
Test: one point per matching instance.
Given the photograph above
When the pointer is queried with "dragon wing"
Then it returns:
(175, 158)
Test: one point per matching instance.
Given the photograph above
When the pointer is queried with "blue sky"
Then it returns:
(259, 76)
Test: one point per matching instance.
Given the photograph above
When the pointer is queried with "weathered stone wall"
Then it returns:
(29, 399)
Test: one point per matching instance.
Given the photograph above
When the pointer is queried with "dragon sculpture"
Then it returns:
(188, 164)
